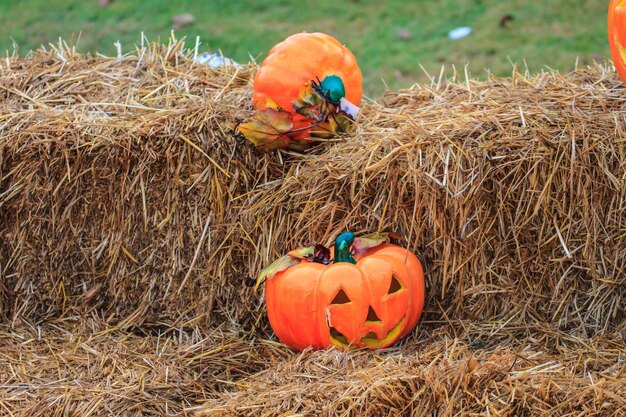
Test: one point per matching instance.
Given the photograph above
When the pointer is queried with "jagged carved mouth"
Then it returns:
(370, 340)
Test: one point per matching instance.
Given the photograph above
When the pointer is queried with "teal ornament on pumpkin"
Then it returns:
(331, 88)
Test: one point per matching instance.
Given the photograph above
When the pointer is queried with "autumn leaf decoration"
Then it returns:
(273, 127)
(269, 129)
(319, 253)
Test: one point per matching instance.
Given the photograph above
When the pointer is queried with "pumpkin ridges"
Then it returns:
(288, 314)
(417, 288)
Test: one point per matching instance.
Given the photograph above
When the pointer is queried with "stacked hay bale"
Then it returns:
(120, 182)
(126, 202)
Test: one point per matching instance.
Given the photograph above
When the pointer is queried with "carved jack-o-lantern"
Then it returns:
(370, 299)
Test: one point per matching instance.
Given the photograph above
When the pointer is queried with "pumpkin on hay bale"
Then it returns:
(309, 86)
(130, 215)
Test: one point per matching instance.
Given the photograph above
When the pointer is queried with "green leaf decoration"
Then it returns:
(318, 253)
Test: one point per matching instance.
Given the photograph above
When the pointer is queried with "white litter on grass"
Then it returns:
(216, 60)
(460, 32)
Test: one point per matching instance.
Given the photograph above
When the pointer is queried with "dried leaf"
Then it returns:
(336, 123)
(271, 129)
(321, 254)
(303, 252)
(268, 130)
(363, 243)
(281, 264)
(311, 104)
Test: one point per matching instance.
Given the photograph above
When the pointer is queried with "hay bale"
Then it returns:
(124, 194)
(120, 179)
(511, 190)
(86, 367)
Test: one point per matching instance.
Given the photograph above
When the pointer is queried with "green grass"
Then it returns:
(551, 33)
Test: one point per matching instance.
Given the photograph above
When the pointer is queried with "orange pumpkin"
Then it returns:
(371, 303)
(617, 35)
(294, 63)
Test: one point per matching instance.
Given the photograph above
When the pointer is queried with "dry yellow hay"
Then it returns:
(85, 367)
(130, 213)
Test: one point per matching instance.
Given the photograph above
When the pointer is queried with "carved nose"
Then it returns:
(372, 317)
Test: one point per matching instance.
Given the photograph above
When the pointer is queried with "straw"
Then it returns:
(131, 215)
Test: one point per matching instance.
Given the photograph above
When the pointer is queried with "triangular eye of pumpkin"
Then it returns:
(395, 285)
(341, 298)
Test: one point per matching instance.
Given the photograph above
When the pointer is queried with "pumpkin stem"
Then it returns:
(331, 88)
(343, 243)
